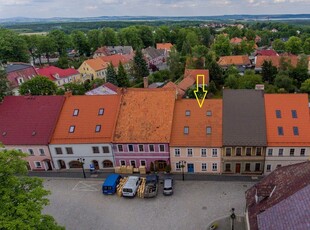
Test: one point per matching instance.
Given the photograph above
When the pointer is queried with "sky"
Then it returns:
(89, 8)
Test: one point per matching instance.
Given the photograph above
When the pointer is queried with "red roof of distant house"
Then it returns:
(19, 70)
(276, 60)
(236, 40)
(52, 71)
(111, 86)
(164, 46)
(174, 86)
(194, 72)
(186, 83)
(117, 58)
(29, 120)
(266, 53)
(234, 60)
(103, 50)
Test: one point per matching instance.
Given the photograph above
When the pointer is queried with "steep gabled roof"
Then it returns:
(117, 58)
(186, 83)
(285, 182)
(285, 104)
(52, 71)
(172, 85)
(29, 120)
(164, 46)
(266, 53)
(197, 122)
(276, 60)
(97, 64)
(87, 119)
(194, 72)
(234, 60)
(19, 70)
(145, 116)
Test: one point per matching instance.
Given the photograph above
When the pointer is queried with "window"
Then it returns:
(130, 148)
(31, 151)
(278, 166)
(294, 114)
(176, 152)
(69, 150)
(247, 167)
(209, 113)
(98, 128)
(71, 129)
(278, 114)
(187, 113)
(133, 163)
(214, 152)
(186, 129)
(280, 152)
(248, 151)
(280, 131)
(270, 152)
(105, 149)
(268, 168)
(75, 112)
(295, 131)
(120, 148)
(302, 152)
(258, 151)
(228, 152)
(214, 166)
(209, 130)
(142, 163)
(123, 163)
(58, 150)
(257, 167)
(227, 167)
(95, 149)
(292, 151)
(203, 167)
(238, 151)
(38, 164)
(151, 148)
(189, 152)
(101, 112)
(178, 166)
(20, 150)
(203, 152)
(162, 148)
(42, 153)
(141, 148)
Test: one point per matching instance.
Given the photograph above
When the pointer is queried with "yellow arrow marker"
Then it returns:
(198, 80)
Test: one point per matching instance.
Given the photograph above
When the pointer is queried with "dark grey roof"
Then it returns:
(154, 53)
(244, 122)
(15, 67)
(291, 213)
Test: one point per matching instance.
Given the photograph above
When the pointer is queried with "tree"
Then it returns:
(32, 42)
(249, 80)
(63, 62)
(121, 77)
(80, 42)
(176, 67)
(215, 71)
(294, 45)
(46, 46)
(278, 45)
(4, 85)
(130, 36)
(305, 86)
(22, 197)
(205, 36)
(108, 37)
(94, 39)
(300, 73)
(283, 81)
(94, 83)
(38, 85)
(160, 76)
(212, 88)
(306, 46)
(250, 35)
(75, 88)
(222, 46)
(146, 35)
(269, 72)
(140, 68)
(111, 75)
(232, 82)
(61, 41)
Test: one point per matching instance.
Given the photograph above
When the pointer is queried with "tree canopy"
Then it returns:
(4, 85)
(38, 85)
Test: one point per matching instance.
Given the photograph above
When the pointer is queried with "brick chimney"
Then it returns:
(146, 82)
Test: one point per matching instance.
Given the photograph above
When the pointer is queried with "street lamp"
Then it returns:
(182, 163)
(233, 217)
(82, 160)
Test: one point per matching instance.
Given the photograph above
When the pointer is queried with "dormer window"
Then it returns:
(20, 80)
(75, 112)
(101, 112)
(98, 128)
(71, 129)
(209, 113)
(56, 75)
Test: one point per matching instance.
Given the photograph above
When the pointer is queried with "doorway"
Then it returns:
(238, 167)
(160, 165)
(62, 164)
(190, 168)
(48, 165)
(96, 164)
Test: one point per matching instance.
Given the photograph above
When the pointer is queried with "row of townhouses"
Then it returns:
(246, 132)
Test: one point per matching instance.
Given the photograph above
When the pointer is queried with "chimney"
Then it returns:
(68, 94)
(146, 82)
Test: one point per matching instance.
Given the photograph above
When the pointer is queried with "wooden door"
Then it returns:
(238, 167)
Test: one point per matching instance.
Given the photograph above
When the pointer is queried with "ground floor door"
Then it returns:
(190, 168)
(96, 164)
(238, 167)
(160, 165)
(48, 165)
(62, 164)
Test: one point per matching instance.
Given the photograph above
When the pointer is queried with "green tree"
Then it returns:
(38, 85)
(212, 88)
(32, 42)
(146, 35)
(222, 46)
(232, 81)
(294, 45)
(130, 37)
(94, 39)
(216, 73)
(111, 75)
(176, 67)
(300, 73)
(12, 47)
(269, 72)
(306, 46)
(80, 42)
(94, 83)
(75, 88)
(122, 77)
(192, 39)
(205, 36)
(61, 41)
(140, 69)
(278, 45)
(22, 197)
(46, 46)
(283, 81)
(305, 86)
(249, 80)
(63, 62)
(250, 35)
(108, 37)
(4, 85)
(160, 76)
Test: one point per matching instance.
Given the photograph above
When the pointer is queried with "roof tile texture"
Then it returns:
(97, 64)
(51, 71)
(234, 60)
(276, 60)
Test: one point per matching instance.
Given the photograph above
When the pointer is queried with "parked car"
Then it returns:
(131, 186)
(168, 186)
(151, 186)
(110, 183)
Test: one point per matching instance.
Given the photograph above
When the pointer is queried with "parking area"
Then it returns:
(80, 204)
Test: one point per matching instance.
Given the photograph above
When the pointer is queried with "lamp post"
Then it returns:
(182, 163)
(82, 160)
(233, 217)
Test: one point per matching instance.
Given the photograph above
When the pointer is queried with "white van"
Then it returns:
(131, 186)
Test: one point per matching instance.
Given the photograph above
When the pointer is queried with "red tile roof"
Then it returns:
(97, 64)
(117, 58)
(285, 181)
(52, 71)
(186, 83)
(197, 123)
(172, 85)
(20, 70)
(164, 46)
(266, 53)
(194, 72)
(298, 102)
(111, 86)
(87, 119)
(236, 40)
(276, 60)
(29, 120)
(234, 60)
(145, 116)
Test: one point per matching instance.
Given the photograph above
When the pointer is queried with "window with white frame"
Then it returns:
(31, 152)
(189, 152)
(120, 148)
(133, 163)
(122, 163)
(302, 152)
(209, 130)
(270, 152)
(105, 149)
(151, 148)
(142, 162)
(176, 152)
(75, 112)
(292, 152)
(177, 166)
(268, 169)
(95, 149)
(203, 152)
(71, 129)
(214, 152)
(42, 153)
(162, 148)
(141, 148)
(38, 164)
(204, 167)
(186, 130)
(214, 166)
(130, 148)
